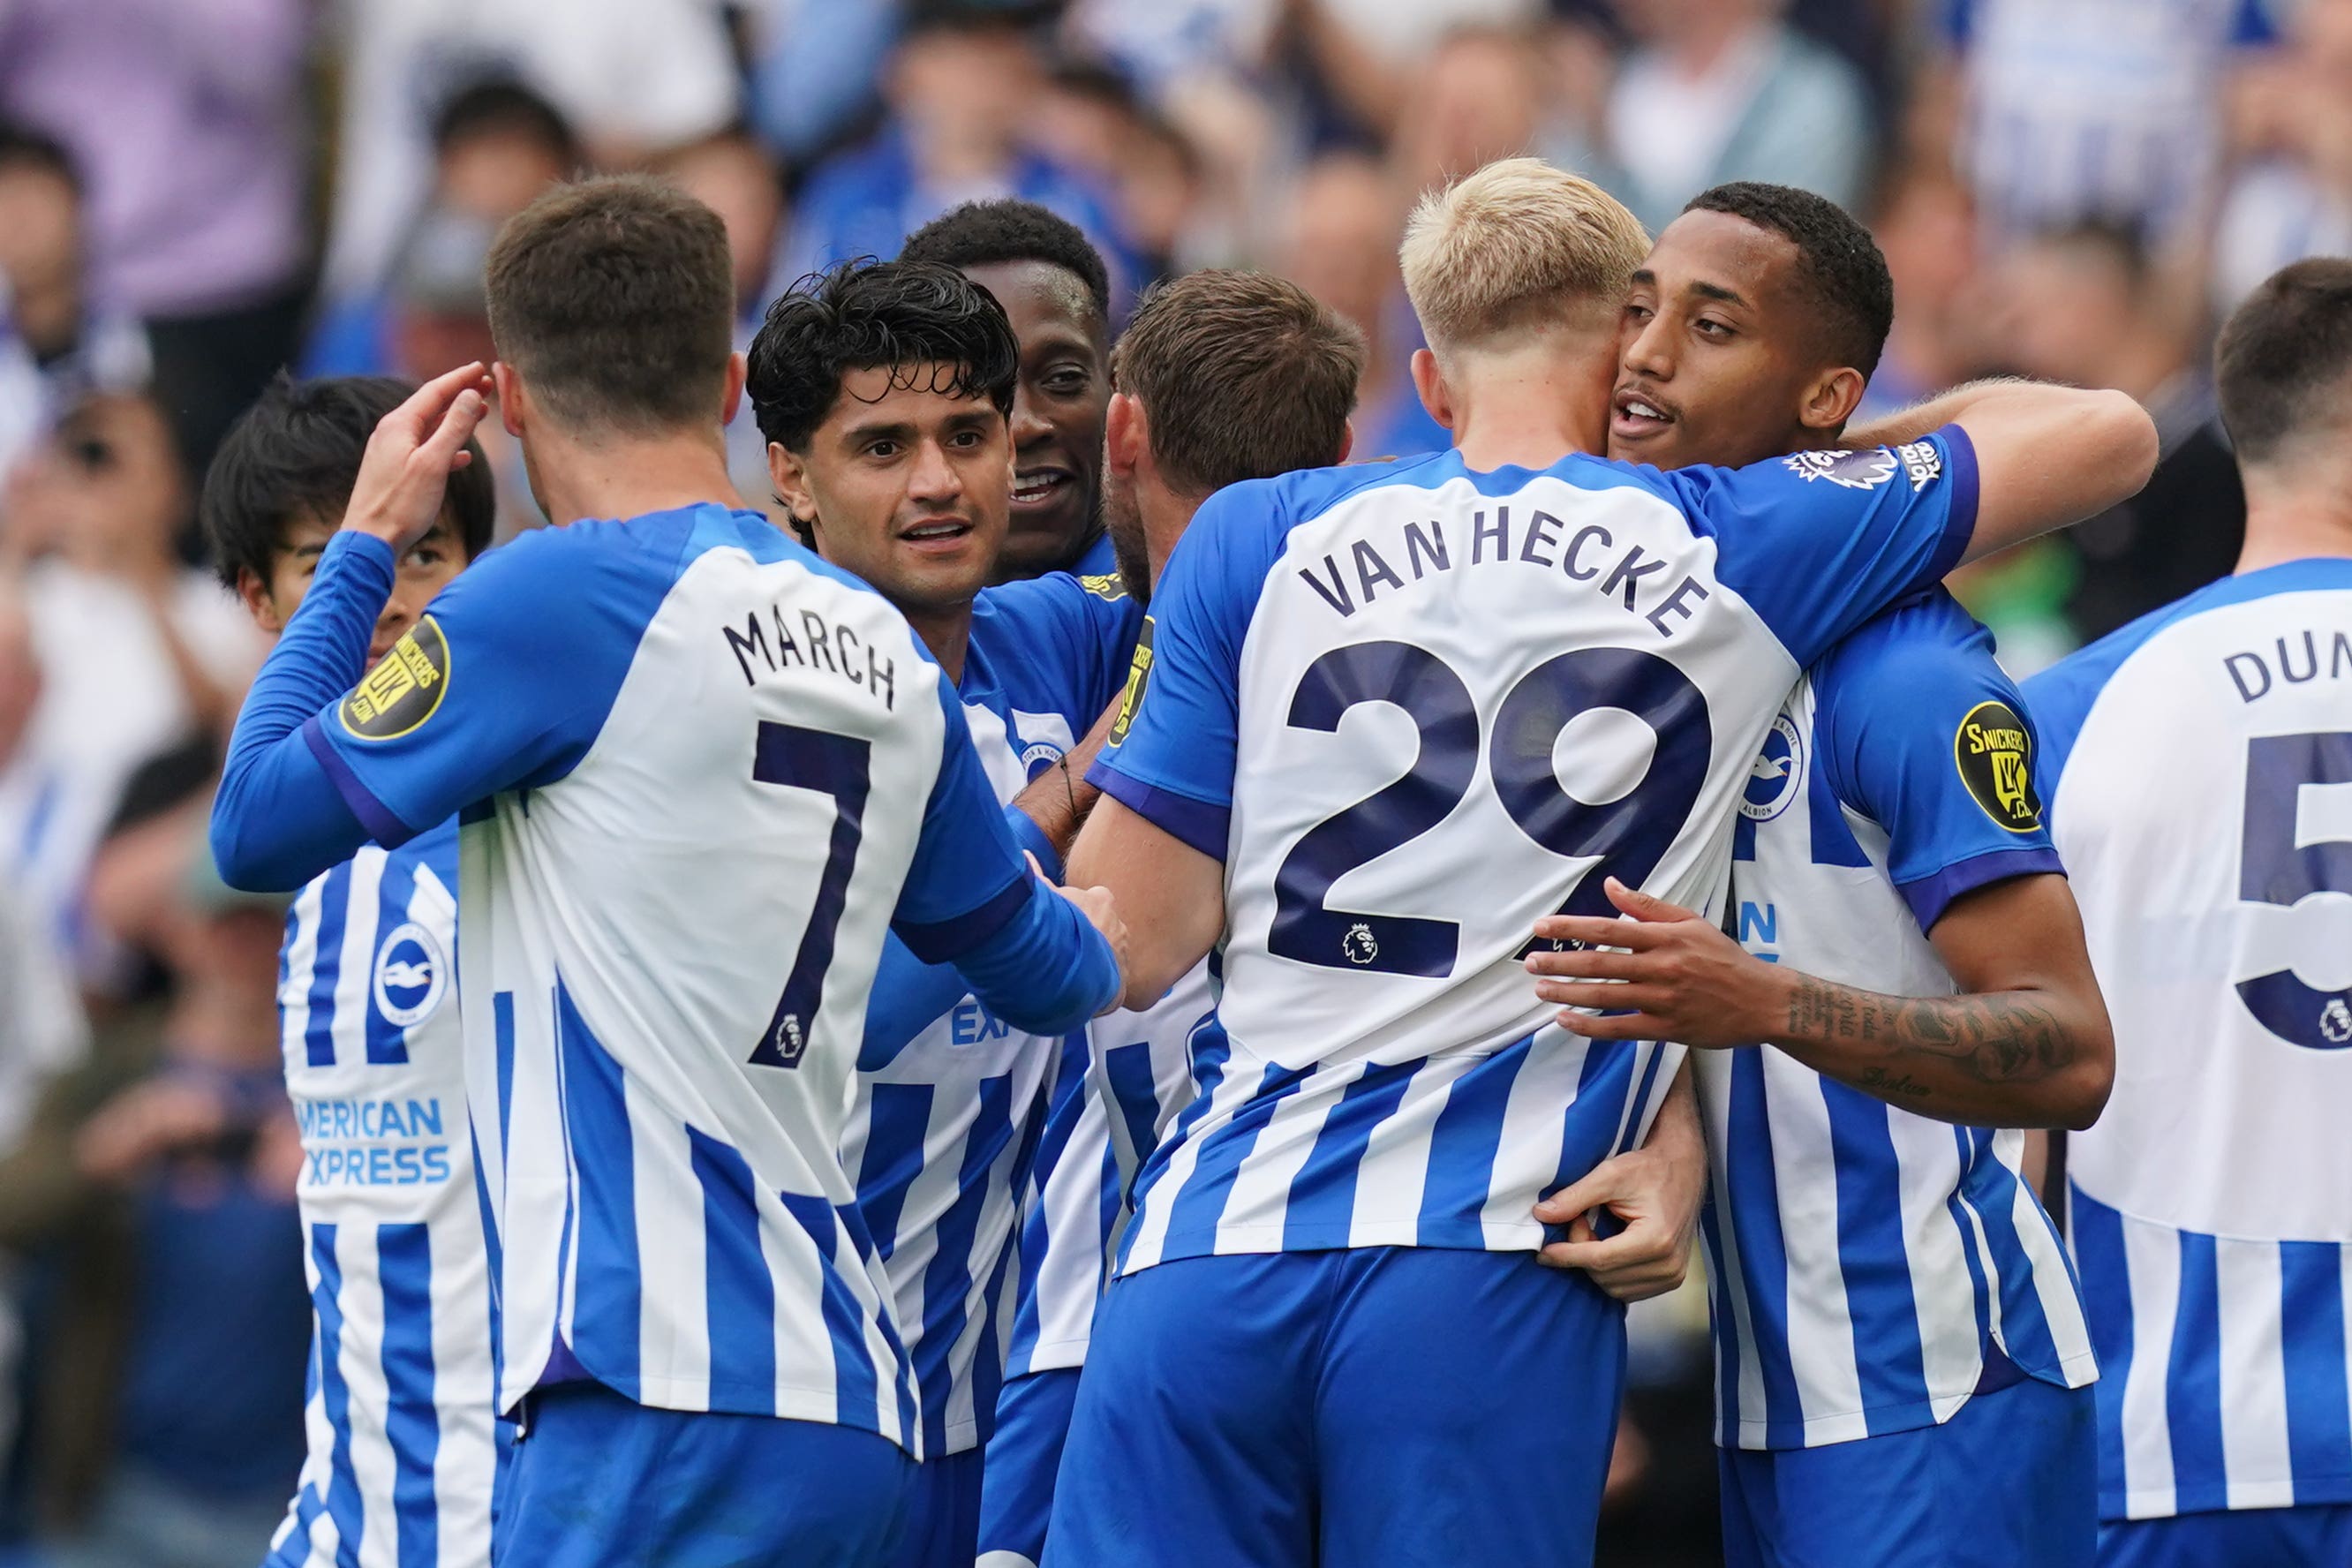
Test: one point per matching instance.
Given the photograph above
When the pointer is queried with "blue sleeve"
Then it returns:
(1030, 957)
(1085, 626)
(1920, 729)
(279, 820)
(1817, 542)
(2253, 27)
(908, 994)
(1169, 754)
(505, 681)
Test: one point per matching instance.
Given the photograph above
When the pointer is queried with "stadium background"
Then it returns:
(195, 192)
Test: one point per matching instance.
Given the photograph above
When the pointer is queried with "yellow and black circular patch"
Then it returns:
(1994, 752)
(1139, 675)
(403, 688)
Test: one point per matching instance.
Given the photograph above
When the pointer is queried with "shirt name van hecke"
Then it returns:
(811, 641)
(1646, 586)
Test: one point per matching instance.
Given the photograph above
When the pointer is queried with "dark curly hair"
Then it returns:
(1839, 265)
(980, 232)
(903, 316)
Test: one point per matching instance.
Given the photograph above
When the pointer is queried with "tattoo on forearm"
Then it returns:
(2001, 1038)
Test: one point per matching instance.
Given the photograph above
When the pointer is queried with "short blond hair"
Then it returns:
(1512, 245)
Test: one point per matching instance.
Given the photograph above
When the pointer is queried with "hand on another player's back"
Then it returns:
(1095, 904)
(405, 472)
(1678, 977)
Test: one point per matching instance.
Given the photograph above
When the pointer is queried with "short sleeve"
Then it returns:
(967, 878)
(503, 683)
(1081, 628)
(1171, 752)
(1919, 731)
(1819, 542)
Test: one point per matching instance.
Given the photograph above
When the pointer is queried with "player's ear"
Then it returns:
(1831, 401)
(1125, 438)
(1347, 442)
(1431, 385)
(509, 386)
(739, 370)
(258, 603)
(789, 475)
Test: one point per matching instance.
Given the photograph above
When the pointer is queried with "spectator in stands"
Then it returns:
(813, 67)
(2294, 199)
(1347, 215)
(1477, 95)
(186, 121)
(1093, 122)
(1371, 54)
(733, 174)
(58, 343)
(1717, 90)
(1925, 223)
(2083, 305)
(633, 78)
(496, 145)
(2075, 110)
(137, 651)
(961, 88)
(162, 1178)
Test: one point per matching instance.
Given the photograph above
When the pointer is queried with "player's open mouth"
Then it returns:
(942, 537)
(1035, 487)
(1636, 416)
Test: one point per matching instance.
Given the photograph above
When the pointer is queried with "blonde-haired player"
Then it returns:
(1391, 715)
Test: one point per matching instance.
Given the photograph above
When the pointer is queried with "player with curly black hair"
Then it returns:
(883, 389)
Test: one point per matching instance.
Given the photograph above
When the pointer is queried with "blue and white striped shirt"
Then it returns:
(2198, 770)
(942, 1142)
(403, 1452)
(1867, 1265)
(1387, 700)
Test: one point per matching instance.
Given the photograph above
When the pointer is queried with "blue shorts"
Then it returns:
(599, 1481)
(943, 1517)
(1033, 1422)
(2317, 1535)
(1387, 1405)
(2010, 1481)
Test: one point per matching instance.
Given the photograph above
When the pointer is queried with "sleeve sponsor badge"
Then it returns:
(1139, 675)
(1994, 752)
(404, 687)
(1107, 586)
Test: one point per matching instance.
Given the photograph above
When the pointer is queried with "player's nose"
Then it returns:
(1649, 350)
(933, 476)
(1029, 423)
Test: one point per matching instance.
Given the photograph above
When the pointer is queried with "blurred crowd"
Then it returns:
(196, 192)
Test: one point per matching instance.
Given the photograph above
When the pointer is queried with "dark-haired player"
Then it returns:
(1899, 1348)
(702, 773)
(1222, 376)
(2197, 769)
(1055, 288)
(402, 1455)
(883, 390)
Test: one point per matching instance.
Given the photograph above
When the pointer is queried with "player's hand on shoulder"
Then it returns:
(1661, 973)
(406, 470)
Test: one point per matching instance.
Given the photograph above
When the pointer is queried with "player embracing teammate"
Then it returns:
(1394, 716)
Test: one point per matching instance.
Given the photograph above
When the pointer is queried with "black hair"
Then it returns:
(869, 315)
(1839, 265)
(25, 146)
(977, 234)
(2282, 366)
(977, 15)
(295, 454)
(503, 105)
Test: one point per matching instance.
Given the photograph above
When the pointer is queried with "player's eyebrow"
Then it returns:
(1707, 291)
(897, 430)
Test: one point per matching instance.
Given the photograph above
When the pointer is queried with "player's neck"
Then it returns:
(573, 479)
(945, 633)
(2310, 515)
(1530, 408)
